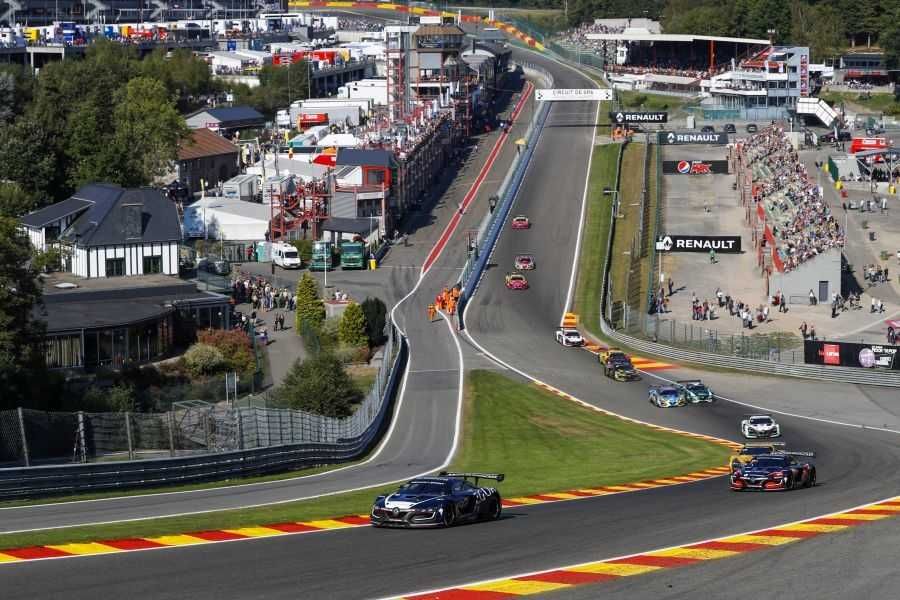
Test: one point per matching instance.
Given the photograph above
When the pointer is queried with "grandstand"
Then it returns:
(796, 235)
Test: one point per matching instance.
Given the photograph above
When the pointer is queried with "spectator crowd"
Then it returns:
(801, 223)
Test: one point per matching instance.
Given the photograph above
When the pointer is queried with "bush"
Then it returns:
(304, 249)
(235, 346)
(203, 359)
(352, 330)
(352, 355)
(118, 398)
(320, 385)
(376, 319)
(310, 308)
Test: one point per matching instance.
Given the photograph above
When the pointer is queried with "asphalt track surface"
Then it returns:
(854, 466)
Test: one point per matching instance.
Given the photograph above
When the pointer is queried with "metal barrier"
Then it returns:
(491, 226)
(20, 482)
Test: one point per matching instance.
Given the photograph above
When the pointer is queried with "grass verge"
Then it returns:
(878, 103)
(511, 427)
(626, 270)
(594, 237)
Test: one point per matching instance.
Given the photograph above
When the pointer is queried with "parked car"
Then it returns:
(752, 128)
(707, 129)
(730, 128)
(214, 266)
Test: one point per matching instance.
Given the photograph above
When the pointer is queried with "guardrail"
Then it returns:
(23, 482)
(492, 224)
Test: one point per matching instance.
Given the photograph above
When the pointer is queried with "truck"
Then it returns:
(322, 257)
(353, 255)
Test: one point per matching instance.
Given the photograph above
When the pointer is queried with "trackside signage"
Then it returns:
(557, 95)
(724, 244)
(692, 137)
(639, 117)
(695, 167)
(846, 354)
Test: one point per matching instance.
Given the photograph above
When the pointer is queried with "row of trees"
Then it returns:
(321, 384)
(826, 26)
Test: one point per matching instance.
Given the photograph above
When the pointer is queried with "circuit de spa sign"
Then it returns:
(622, 116)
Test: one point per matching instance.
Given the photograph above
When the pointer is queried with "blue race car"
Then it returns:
(770, 472)
(441, 501)
(666, 396)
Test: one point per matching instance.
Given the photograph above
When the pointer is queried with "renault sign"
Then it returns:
(724, 244)
(622, 116)
(588, 94)
(692, 137)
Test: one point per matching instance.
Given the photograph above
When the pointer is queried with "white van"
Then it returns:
(286, 256)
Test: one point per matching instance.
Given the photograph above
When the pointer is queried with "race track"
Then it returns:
(518, 328)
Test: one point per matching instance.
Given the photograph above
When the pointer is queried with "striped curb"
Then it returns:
(666, 558)
(421, 11)
(179, 539)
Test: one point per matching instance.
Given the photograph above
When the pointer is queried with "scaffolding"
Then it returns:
(397, 81)
(292, 215)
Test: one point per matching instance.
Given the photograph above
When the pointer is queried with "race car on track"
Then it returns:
(524, 262)
(695, 391)
(751, 450)
(666, 396)
(520, 222)
(441, 501)
(516, 281)
(604, 354)
(569, 337)
(769, 472)
(619, 367)
(760, 426)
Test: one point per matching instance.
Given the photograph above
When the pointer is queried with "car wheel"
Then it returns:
(811, 482)
(495, 509)
(449, 518)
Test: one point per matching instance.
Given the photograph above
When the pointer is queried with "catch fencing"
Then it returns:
(31, 437)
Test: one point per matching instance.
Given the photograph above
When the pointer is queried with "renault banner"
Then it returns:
(622, 116)
(724, 244)
(692, 137)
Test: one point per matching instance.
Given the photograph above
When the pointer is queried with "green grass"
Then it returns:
(594, 237)
(541, 442)
(621, 273)
(544, 444)
(879, 103)
(674, 105)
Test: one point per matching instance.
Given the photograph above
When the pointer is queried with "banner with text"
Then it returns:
(621, 117)
(692, 137)
(724, 244)
(557, 95)
(695, 167)
(846, 354)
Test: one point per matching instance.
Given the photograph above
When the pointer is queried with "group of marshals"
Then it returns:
(446, 300)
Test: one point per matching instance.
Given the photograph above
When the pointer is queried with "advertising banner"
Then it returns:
(622, 116)
(695, 167)
(846, 354)
(692, 137)
(724, 244)
(556, 95)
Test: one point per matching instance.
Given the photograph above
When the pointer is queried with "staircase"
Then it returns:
(818, 108)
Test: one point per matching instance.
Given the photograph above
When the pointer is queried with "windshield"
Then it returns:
(422, 488)
(755, 451)
(290, 254)
(668, 393)
(761, 421)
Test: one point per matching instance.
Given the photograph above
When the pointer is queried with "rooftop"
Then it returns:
(203, 143)
(54, 212)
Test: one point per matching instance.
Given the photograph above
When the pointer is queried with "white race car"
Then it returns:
(569, 337)
(760, 426)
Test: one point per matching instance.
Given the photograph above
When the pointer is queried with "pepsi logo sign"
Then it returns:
(684, 167)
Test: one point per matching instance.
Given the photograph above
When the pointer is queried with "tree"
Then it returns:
(14, 201)
(890, 41)
(376, 319)
(148, 130)
(30, 158)
(203, 359)
(352, 331)
(235, 346)
(21, 335)
(320, 385)
(310, 308)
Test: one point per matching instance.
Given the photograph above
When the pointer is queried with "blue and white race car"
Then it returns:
(666, 396)
(441, 501)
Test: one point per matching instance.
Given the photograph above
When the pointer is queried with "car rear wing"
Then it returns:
(804, 453)
(684, 382)
(775, 445)
(498, 477)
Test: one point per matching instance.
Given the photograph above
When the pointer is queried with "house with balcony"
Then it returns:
(435, 68)
(361, 194)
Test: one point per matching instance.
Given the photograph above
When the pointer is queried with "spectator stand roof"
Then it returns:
(646, 36)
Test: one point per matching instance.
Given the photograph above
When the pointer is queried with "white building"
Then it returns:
(107, 231)
(221, 218)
